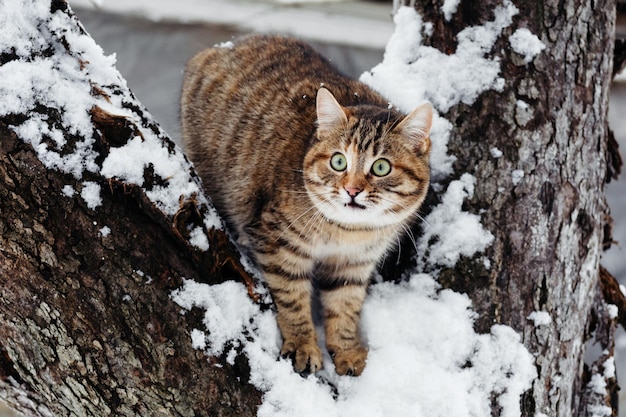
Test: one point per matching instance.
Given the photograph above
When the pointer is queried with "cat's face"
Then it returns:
(367, 171)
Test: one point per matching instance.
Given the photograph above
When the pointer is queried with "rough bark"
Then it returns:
(549, 228)
(87, 327)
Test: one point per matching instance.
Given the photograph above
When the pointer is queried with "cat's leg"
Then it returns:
(288, 280)
(342, 313)
(293, 305)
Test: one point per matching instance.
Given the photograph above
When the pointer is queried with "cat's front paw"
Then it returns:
(349, 361)
(306, 357)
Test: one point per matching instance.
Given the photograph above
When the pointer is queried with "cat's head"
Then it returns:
(369, 165)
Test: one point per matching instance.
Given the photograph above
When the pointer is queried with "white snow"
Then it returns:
(496, 153)
(412, 72)
(449, 8)
(609, 367)
(68, 191)
(424, 357)
(540, 318)
(527, 44)
(105, 231)
(198, 238)
(229, 316)
(517, 176)
(91, 194)
(449, 231)
(63, 81)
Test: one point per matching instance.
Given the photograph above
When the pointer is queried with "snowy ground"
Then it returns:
(425, 359)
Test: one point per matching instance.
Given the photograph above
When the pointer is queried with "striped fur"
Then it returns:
(262, 134)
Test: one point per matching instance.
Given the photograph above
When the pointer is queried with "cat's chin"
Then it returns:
(358, 216)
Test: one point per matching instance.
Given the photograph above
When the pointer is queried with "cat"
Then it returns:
(315, 174)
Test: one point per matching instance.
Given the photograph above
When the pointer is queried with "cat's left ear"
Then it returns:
(330, 115)
(416, 127)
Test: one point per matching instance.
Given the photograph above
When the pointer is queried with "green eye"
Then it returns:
(381, 167)
(338, 162)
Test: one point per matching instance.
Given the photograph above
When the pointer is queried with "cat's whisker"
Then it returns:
(310, 224)
(403, 225)
(293, 222)
(414, 214)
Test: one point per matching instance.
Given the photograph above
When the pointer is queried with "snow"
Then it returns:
(449, 8)
(451, 232)
(517, 176)
(540, 318)
(198, 238)
(91, 194)
(424, 73)
(525, 43)
(496, 153)
(424, 357)
(64, 80)
(68, 191)
(105, 231)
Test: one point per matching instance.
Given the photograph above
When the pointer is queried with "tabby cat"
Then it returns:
(315, 174)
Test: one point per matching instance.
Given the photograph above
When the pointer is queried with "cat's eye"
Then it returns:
(338, 162)
(381, 167)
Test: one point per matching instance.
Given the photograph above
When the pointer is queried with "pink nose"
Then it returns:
(352, 191)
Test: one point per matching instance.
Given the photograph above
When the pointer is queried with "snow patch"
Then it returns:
(527, 44)
(411, 72)
(91, 194)
(229, 316)
(198, 238)
(48, 79)
(517, 176)
(424, 357)
(449, 8)
(226, 45)
(496, 153)
(105, 231)
(540, 318)
(68, 191)
(450, 232)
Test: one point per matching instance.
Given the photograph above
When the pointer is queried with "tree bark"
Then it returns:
(551, 226)
(87, 327)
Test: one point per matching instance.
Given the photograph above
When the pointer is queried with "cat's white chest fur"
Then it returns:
(351, 246)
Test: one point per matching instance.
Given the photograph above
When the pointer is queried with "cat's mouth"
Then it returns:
(355, 205)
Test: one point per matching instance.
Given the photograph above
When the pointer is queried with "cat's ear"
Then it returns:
(330, 114)
(416, 127)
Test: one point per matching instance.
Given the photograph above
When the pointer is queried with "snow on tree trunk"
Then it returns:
(537, 145)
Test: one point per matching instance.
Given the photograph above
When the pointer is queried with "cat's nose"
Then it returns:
(352, 191)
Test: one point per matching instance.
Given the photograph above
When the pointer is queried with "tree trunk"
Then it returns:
(543, 199)
(87, 327)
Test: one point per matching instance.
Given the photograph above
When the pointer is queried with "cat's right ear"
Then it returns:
(416, 127)
(330, 115)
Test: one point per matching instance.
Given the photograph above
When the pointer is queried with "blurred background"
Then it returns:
(153, 39)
